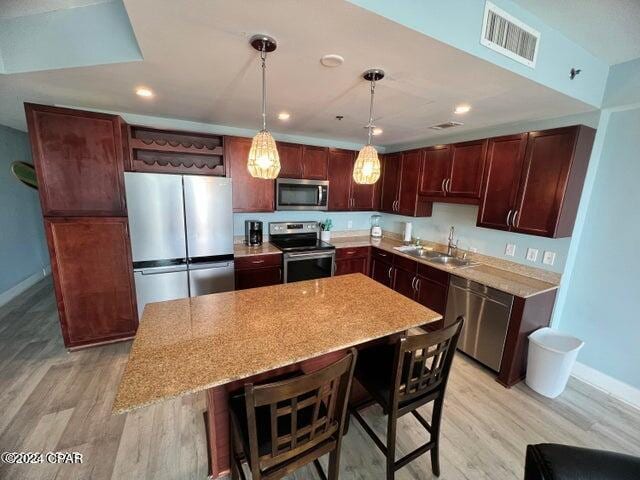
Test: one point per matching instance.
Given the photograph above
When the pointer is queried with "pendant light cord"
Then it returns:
(263, 58)
(370, 124)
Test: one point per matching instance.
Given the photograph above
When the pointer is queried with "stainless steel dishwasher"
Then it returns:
(486, 314)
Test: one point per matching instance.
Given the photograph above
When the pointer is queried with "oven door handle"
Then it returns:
(310, 255)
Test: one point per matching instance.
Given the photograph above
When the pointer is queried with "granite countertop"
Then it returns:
(242, 250)
(513, 282)
(192, 344)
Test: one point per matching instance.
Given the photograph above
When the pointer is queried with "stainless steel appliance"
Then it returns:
(305, 257)
(181, 235)
(293, 194)
(486, 314)
(253, 233)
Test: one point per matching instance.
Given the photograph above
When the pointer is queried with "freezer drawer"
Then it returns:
(209, 216)
(160, 284)
(486, 313)
(213, 277)
(156, 216)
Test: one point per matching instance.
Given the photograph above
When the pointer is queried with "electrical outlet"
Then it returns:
(532, 254)
(510, 251)
(349, 225)
(549, 258)
(473, 249)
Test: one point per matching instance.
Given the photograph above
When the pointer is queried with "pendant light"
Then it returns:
(366, 170)
(263, 161)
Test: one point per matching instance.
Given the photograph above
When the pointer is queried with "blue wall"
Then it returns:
(360, 220)
(601, 300)
(23, 249)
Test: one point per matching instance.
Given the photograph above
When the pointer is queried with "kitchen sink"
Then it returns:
(438, 257)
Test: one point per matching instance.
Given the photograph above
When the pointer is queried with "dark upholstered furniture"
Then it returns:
(548, 461)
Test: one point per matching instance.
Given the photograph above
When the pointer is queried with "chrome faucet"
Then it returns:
(452, 246)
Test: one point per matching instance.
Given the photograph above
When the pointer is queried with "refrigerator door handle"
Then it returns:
(203, 266)
(159, 270)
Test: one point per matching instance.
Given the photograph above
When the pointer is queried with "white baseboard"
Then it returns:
(13, 292)
(617, 389)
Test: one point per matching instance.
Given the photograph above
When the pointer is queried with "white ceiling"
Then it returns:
(609, 29)
(22, 8)
(198, 61)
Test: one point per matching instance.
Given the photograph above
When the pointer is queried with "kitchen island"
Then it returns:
(215, 343)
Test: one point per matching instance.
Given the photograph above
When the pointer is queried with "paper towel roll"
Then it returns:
(407, 231)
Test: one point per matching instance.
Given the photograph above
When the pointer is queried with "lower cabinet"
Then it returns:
(422, 283)
(352, 260)
(258, 271)
(93, 278)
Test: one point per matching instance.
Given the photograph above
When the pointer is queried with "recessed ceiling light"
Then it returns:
(332, 60)
(284, 116)
(460, 109)
(144, 92)
(376, 131)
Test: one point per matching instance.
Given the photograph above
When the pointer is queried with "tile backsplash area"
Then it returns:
(484, 240)
(342, 221)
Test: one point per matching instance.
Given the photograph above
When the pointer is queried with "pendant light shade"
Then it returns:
(366, 170)
(263, 161)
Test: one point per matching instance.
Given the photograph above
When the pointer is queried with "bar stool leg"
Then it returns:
(391, 446)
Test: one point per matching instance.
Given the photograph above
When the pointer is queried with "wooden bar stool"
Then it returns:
(282, 426)
(402, 377)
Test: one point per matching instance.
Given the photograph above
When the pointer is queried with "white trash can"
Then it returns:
(550, 360)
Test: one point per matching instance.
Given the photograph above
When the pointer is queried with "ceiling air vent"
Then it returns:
(509, 36)
(442, 126)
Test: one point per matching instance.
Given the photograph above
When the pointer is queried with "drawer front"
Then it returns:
(405, 263)
(433, 274)
(354, 252)
(381, 255)
(258, 261)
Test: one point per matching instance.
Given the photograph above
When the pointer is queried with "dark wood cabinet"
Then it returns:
(467, 167)
(340, 167)
(92, 268)
(435, 171)
(290, 160)
(432, 287)
(352, 260)
(258, 271)
(382, 266)
(314, 162)
(79, 162)
(249, 194)
(404, 276)
(501, 180)
(400, 181)
(390, 182)
(453, 173)
(549, 179)
(344, 192)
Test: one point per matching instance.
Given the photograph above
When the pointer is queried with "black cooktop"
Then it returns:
(299, 242)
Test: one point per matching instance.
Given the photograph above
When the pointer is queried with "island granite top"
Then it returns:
(192, 344)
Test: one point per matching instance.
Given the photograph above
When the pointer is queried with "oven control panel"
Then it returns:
(280, 228)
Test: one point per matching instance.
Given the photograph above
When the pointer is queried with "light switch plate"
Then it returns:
(349, 225)
(549, 258)
(532, 254)
(510, 251)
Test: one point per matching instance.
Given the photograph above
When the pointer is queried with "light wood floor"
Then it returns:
(54, 400)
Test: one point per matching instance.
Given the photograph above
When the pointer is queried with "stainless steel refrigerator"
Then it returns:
(181, 235)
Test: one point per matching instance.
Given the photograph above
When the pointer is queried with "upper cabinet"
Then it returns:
(79, 161)
(400, 182)
(249, 194)
(453, 173)
(536, 188)
(344, 192)
(314, 162)
(290, 160)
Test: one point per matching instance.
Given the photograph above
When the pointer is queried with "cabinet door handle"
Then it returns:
(514, 221)
(444, 180)
(350, 252)
(280, 273)
(509, 217)
(447, 186)
(413, 283)
(257, 261)
(389, 272)
(382, 254)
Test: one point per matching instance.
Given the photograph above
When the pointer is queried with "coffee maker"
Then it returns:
(253, 233)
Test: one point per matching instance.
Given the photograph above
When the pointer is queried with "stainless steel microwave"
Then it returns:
(294, 194)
